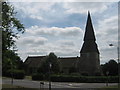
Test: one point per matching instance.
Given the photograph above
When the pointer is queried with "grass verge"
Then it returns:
(13, 87)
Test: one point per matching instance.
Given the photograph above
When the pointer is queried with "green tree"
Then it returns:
(45, 66)
(111, 67)
(11, 27)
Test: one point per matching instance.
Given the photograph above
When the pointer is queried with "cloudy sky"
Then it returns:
(59, 27)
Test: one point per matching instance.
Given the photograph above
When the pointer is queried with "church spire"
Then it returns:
(89, 32)
(89, 44)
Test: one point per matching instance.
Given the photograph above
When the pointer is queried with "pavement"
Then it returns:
(36, 84)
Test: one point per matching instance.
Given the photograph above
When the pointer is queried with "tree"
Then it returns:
(45, 66)
(11, 27)
(72, 70)
(111, 67)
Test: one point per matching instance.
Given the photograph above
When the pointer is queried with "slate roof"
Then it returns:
(89, 44)
(67, 62)
(89, 31)
(34, 61)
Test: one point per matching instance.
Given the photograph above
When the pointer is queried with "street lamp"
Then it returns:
(50, 65)
(118, 64)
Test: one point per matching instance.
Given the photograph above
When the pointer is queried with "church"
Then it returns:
(88, 62)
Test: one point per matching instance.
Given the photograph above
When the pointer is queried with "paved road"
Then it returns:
(36, 84)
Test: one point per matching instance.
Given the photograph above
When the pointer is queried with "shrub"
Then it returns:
(84, 74)
(7, 73)
(37, 76)
(18, 74)
(84, 79)
(97, 73)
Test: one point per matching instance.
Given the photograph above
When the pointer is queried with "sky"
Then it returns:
(59, 27)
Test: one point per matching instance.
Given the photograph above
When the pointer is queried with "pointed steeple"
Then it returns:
(89, 32)
(89, 44)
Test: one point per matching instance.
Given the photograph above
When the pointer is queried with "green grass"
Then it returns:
(12, 87)
(114, 87)
(28, 77)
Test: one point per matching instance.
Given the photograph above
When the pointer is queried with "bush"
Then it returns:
(7, 73)
(37, 76)
(17, 74)
(84, 74)
(84, 79)
(98, 74)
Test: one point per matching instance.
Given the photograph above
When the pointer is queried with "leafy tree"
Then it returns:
(11, 27)
(72, 70)
(111, 67)
(45, 66)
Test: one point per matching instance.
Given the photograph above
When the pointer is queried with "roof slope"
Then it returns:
(89, 44)
(34, 61)
(89, 31)
(68, 61)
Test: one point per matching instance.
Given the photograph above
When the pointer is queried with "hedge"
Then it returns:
(84, 79)
(38, 77)
(17, 74)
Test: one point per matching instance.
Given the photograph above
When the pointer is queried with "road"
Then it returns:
(36, 84)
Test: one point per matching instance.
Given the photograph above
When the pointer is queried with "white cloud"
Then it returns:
(63, 0)
(32, 40)
(48, 12)
(55, 31)
(42, 41)
(33, 9)
(106, 34)
(66, 41)
(108, 28)
(83, 7)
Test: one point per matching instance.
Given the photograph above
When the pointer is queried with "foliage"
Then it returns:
(84, 79)
(38, 76)
(84, 73)
(111, 67)
(45, 66)
(72, 70)
(17, 74)
(11, 27)
(11, 61)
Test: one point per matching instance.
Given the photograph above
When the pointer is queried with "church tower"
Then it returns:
(89, 55)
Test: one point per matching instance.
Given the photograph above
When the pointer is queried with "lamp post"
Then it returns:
(107, 73)
(118, 64)
(50, 65)
(11, 73)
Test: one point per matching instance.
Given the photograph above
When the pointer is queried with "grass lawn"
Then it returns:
(28, 77)
(12, 87)
(114, 87)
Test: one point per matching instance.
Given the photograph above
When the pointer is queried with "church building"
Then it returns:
(88, 62)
